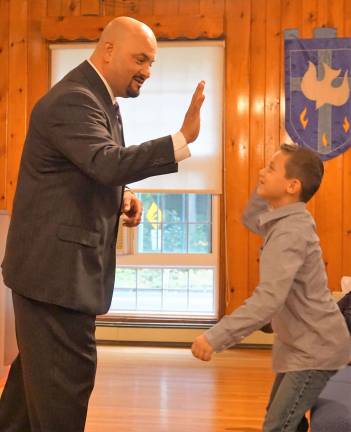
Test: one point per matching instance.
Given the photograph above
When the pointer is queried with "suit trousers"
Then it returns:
(51, 379)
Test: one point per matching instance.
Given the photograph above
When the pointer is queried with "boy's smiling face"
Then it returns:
(273, 185)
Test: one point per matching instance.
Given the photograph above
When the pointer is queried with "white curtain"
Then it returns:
(8, 346)
(160, 108)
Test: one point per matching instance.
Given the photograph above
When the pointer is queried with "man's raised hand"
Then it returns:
(191, 123)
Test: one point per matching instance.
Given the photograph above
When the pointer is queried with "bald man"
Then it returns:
(60, 255)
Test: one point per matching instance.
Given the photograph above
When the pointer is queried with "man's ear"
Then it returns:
(108, 48)
(294, 187)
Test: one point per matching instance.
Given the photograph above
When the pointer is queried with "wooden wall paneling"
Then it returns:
(140, 7)
(133, 7)
(119, 8)
(38, 54)
(309, 22)
(164, 27)
(4, 83)
(274, 64)
(257, 119)
(222, 265)
(166, 7)
(328, 202)
(190, 7)
(322, 14)
(323, 204)
(212, 7)
(345, 255)
(73, 28)
(291, 17)
(346, 228)
(17, 93)
(90, 7)
(54, 8)
(70, 7)
(309, 17)
(107, 7)
(237, 29)
(336, 13)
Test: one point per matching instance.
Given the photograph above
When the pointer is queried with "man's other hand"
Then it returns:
(132, 209)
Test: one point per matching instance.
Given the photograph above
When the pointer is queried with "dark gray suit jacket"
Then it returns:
(61, 242)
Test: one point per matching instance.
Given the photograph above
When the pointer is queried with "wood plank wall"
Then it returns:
(254, 101)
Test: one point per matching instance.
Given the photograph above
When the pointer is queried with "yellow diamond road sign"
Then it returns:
(154, 215)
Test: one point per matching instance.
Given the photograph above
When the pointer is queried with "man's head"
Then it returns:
(293, 174)
(124, 55)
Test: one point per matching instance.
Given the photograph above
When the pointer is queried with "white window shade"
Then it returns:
(65, 57)
(161, 106)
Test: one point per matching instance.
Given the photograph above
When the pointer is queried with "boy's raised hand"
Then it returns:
(201, 348)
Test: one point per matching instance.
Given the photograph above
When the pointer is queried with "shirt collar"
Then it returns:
(281, 212)
(110, 92)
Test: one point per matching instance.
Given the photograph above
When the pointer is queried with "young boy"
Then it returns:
(311, 338)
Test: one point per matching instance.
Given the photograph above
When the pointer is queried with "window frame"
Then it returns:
(174, 260)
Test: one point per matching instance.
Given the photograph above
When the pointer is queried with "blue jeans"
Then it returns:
(294, 393)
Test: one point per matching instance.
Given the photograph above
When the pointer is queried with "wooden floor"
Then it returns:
(166, 390)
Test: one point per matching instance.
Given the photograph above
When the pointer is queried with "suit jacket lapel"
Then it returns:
(102, 93)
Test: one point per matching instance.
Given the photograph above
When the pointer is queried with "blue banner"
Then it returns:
(317, 91)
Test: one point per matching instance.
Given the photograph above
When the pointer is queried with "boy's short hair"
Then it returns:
(304, 165)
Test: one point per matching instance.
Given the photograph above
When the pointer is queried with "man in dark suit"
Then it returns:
(60, 253)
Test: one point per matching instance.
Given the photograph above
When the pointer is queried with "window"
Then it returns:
(173, 269)
(163, 289)
(175, 223)
(170, 267)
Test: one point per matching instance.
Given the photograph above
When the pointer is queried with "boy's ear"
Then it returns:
(294, 187)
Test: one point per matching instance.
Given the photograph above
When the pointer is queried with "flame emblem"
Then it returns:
(346, 125)
(303, 118)
(322, 91)
(324, 140)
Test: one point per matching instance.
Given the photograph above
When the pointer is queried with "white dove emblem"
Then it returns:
(322, 91)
